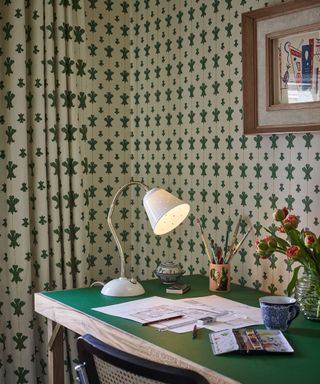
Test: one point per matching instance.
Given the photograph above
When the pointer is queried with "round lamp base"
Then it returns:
(122, 287)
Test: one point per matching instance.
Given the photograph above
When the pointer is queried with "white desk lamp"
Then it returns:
(165, 212)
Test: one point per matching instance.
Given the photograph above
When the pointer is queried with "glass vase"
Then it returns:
(307, 292)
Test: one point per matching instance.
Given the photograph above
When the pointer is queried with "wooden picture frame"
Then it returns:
(262, 111)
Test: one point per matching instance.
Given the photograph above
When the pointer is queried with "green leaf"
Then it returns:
(302, 234)
(293, 280)
(294, 237)
(317, 245)
(283, 243)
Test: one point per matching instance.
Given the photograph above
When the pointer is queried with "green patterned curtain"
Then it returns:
(43, 207)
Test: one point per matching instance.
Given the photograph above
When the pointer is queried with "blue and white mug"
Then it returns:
(278, 311)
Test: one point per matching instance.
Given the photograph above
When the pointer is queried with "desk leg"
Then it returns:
(55, 353)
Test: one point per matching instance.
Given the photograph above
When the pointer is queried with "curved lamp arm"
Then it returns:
(112, 206)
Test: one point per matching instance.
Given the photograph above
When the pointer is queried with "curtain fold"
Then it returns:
(43, 213)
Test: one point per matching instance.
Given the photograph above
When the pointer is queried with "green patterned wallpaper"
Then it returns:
(107, 25)
(168, 112)
(146, 90)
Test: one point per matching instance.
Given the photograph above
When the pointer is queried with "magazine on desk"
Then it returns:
(249, 341)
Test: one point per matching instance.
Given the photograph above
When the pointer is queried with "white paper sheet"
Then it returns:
(229, 314)
(143, 310)
(232, 313)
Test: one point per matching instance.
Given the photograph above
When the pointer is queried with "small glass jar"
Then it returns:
(307, 293)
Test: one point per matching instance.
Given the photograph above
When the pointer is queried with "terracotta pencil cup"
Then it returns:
(219, 277)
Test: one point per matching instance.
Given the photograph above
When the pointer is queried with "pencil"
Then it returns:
(227, 239)
(233, 240)
(160, 320)
(240, 243)
(204, 241)
(214, 261)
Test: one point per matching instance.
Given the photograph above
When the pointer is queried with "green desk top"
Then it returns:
(303, 335)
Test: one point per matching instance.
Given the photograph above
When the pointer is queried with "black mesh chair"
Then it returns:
(102, 364)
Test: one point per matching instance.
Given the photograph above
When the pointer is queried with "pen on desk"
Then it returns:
(195, 331)
(161, 320)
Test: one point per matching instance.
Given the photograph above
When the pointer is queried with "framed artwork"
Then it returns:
(281, 68)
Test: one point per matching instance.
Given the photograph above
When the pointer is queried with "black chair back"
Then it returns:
(102, 364)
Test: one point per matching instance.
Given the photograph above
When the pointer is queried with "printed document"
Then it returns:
(227, 313)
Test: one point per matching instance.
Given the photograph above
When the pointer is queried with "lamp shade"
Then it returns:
(165, 211)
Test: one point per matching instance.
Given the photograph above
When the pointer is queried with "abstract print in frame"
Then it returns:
(281, 64)
(293, 60)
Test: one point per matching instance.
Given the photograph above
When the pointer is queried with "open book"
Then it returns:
(249, 340)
